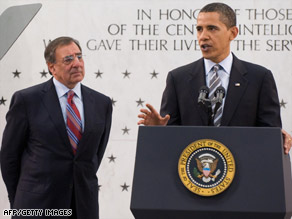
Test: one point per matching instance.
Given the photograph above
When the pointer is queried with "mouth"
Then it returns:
(76, 72)
(205, 47)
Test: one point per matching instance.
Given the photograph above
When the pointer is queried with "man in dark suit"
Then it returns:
(55, 139)
(251, 93)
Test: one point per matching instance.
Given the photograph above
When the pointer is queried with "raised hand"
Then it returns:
(151, 117)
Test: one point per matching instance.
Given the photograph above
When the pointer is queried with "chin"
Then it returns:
(207, 56)
(78, 77)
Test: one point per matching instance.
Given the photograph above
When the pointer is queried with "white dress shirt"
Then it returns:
(62, 90)
(223, 73)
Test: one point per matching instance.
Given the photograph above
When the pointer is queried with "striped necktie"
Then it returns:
(73, 121)
(214, 83)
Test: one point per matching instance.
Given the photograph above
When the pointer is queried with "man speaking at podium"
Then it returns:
(55, 138)
(251, 97)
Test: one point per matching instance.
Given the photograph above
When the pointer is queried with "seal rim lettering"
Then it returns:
(208, 147)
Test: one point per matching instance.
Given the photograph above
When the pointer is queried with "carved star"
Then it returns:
(16, 73)
(113, 102)
(112, 158)
(154, 74)
(125, 187)
(125, 130)
(98, 74)
(140, 102)
(283, 104)
(2, 101)
(44, 73)
(126, 74)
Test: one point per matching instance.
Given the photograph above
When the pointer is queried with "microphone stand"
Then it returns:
(207, 107)
(210, 114)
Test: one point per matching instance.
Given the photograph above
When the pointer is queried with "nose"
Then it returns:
(76, 61)
(202, 35)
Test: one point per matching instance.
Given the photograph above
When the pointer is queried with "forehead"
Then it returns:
(66, 50)
(209, 18)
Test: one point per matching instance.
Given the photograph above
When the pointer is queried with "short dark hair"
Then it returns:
(50, 51)
(227, 14)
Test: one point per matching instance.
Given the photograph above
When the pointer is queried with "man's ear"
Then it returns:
(51, 67)
(234, 33)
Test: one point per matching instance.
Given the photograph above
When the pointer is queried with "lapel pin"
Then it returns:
(237, 84)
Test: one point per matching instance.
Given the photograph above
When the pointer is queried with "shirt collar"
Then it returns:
(226, 64)
(62, 90)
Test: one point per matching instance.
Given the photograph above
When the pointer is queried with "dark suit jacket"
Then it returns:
(254, 103)
(37, 161)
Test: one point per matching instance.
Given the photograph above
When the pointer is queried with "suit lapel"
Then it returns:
(197, 79)
(52, 104)
(236, 88)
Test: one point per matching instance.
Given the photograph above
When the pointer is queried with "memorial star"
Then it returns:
(126, 74)
(113, 102)
(140, 102)
(283, 104)
(112, 158)
(98, 74)
(2, 101)
(125, 130)
(44, 73)
(16, 73)
(154, 74)
(125, 187)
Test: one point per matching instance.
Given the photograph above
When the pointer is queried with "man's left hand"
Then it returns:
(287, 141)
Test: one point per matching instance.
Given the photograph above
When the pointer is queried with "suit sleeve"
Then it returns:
(169, 102)
(13, 143)
(268, 113)
(105, 137)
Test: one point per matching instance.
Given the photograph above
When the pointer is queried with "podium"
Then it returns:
(261, 188)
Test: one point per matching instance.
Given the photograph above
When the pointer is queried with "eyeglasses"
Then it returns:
(68, 59)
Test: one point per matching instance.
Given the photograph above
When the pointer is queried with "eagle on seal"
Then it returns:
(207, 164)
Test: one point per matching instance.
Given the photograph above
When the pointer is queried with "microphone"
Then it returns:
(219, 94)
(203, 95)
(205, 103)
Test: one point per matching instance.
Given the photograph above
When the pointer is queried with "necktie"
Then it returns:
(73, 121)
(214, 83)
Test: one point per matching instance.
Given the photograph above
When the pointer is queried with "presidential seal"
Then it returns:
(206, 167)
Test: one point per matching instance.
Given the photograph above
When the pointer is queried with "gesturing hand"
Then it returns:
(152, 117)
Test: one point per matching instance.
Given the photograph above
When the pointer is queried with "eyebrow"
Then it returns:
(208, 26)
(78, 53)
(213, 26)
